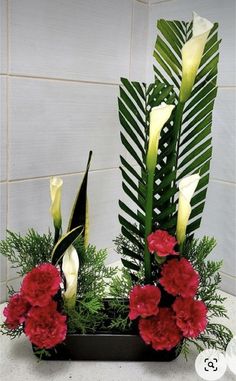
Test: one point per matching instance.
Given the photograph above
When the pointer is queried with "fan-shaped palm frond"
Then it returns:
(135, 102)
(185, 143)
(189, 148)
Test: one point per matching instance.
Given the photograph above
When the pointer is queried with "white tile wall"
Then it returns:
(3, 128)
(139, 42)
(53, 124)
(228, 283)
(86, 40)
(3, 292)
(3, 223)
(61, 63)
(61, 71)
(223, 166)
(3, 36)
(219, 221)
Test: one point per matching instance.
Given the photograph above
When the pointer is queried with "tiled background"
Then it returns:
(60, 64)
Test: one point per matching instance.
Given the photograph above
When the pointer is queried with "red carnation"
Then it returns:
(160, 331)
(16, 311)
(40, 284)
(161, 243)
(178, 277)
(190, 316)
(143, 301)
(45, 326)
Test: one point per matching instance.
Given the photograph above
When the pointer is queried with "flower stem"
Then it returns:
(177, 127)
(176, 132)
(148, 223)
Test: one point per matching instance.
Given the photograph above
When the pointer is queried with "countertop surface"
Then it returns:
(17, 362)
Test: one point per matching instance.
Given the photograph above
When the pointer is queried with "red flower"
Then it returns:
(143, 301)
(45, 326)
(161, 243)
(16, 311)
(178, 277)
(40, 284)
(190, 316)
(160, 331)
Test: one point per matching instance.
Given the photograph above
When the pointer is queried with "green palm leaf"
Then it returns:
(135, 103)
(185, 143)
(191, 148)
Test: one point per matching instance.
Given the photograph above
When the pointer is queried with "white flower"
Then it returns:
(192, 52)
(55, 192)
(158, 117)
(187, 187)
(70, 268)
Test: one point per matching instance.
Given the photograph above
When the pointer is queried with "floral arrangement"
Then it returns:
(166, 291)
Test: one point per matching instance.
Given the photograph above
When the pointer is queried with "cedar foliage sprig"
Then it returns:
(26, 252)
(12, 333)
(120, 288)
(216, 335)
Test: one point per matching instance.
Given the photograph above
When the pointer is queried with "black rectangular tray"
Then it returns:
(108, 347)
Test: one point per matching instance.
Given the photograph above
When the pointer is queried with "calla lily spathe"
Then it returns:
(55, 192)
(187, 187)
(158, 117)
(192, 52)
(70, 268)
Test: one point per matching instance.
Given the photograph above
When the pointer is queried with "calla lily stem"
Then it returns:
(176, 131)
(148, 224)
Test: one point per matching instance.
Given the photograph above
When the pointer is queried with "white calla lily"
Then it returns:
(158, 117)
(187, 187)
(55, 192)
(192, 52)
(70, 268)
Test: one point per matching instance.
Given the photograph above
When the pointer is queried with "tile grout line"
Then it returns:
(159, 2)
(58, 79)
(66, 174)
(91, 82)
(228, 275)
(222, 181)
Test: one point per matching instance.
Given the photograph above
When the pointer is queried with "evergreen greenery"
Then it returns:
(216, 335)
(12, 333)
(120, 288)
(26, 252)
(128, 248)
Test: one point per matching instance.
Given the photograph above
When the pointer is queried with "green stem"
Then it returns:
(177, 127)
(176, 137)
(148, 223)
(181, 248)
